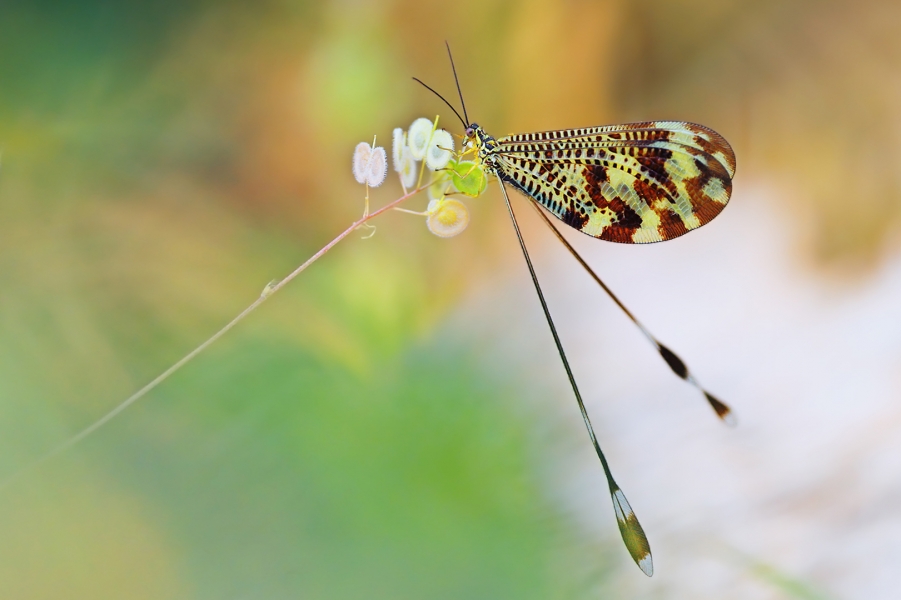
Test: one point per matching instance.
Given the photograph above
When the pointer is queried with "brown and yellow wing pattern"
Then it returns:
(636, 183)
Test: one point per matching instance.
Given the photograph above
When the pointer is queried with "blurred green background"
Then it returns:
(357, 437)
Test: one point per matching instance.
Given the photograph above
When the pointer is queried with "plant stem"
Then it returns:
(188, 357)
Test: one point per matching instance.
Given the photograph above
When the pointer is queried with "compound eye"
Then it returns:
(469, 131)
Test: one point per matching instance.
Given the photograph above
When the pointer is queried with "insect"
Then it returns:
(634, 184)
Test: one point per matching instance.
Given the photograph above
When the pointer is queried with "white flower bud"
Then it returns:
(362, 154)
(397, 149)
(408, 168)
(419, 136)
(447, 217)
(377, 168)
(440, 150)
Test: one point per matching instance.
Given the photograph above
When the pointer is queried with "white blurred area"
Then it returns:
(803, 498)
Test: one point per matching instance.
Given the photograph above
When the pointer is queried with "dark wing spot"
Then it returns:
(716, 143)
(671, 225)
(574, 218)
(646, 191)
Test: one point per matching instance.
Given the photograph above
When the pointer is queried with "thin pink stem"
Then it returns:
(188, 357)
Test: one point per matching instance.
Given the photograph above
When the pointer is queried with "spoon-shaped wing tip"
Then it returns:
(633, 535)
(722, 410)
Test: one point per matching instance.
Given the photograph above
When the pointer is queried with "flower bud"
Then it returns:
(447, 217)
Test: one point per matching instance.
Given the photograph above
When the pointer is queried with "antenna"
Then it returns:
(465, 124)
(457, 81)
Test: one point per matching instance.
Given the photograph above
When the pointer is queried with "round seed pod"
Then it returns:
(377, 168)
(362, 154)
(447, 217)
(419, 136)
(440, 150)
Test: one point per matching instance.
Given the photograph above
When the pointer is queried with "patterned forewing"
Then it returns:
(635, 183)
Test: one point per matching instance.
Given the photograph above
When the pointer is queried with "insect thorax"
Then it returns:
(485, 145)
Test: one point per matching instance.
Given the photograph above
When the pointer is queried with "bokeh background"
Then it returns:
(396, 423)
